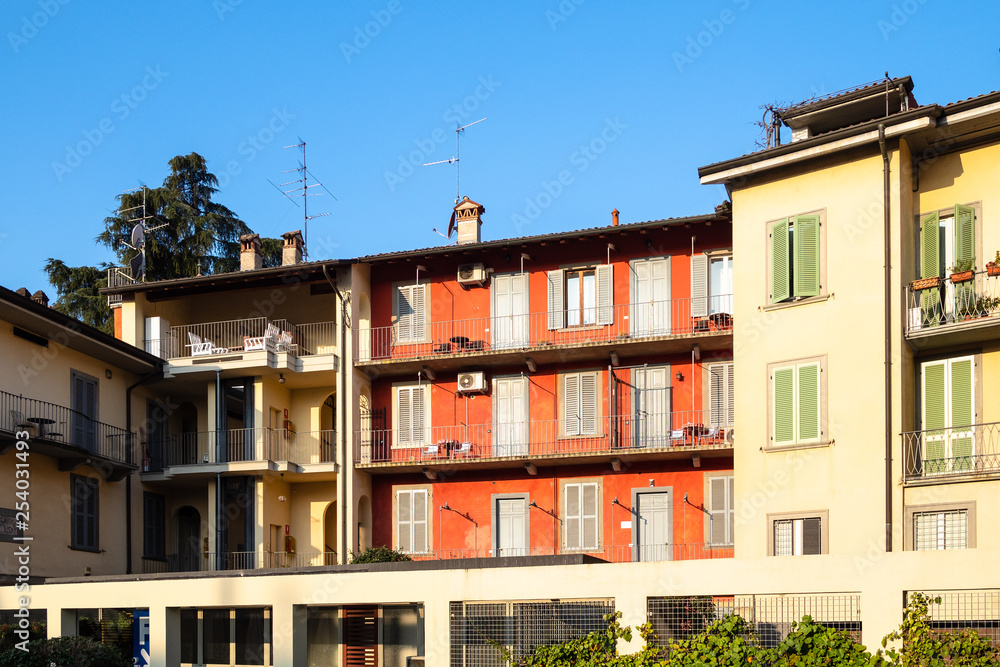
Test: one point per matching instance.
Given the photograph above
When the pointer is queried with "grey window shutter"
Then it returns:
(731, 512)
(716, 395)
(589, 512)
(404, 520)
(730, 411)
(557, 302)
(699, 286)
(572, 494)
(811, 536)
(571, 404)
(605, 294)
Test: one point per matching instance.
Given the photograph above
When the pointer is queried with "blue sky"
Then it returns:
(622, 102)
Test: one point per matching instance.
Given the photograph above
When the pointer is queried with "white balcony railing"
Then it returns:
(209, 339)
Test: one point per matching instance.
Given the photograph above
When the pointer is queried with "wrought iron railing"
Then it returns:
(948, 452)
(540, 438)
(211, 339)
(241, 444)
(62, 425)
(623, 322)
(945, 303)
(237, 560)
(617, 553)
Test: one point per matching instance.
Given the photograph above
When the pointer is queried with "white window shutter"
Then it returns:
(605, 294)
(730, 412)
(404, 520)
(418, 418)
(588, 516)
(404, 416)
(588, 404)
(699, 286)
(418, 328)
(571, 404)
(420, 521)
(404, 314)
(571, 492)
(716, 388)
(557, 302)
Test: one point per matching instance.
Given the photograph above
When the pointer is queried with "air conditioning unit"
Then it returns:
(474, 381)
(471, 274)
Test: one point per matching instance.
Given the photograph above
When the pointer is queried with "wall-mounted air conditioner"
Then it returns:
(474, 381)
(471, 274)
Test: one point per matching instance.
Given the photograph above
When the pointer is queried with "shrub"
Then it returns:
(65, 651)
(382, 554)
(925, 647)
(810, 644)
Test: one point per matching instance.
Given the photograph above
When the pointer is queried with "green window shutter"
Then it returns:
(780, 288)
(783, 386)
(930, 264)
(965, 232)
(808, 402)
(806, 241)
(962, 413)
(933, 376)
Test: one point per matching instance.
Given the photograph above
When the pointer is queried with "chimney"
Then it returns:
(250, 259)
(22, 291)
(614, 218)
(291, 252)
(40, 298)
(468, 219)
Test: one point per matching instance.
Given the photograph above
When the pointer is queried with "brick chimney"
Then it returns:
(41, 298)
(23, 291)
(250, 258)
(468, 220)
(291, 252)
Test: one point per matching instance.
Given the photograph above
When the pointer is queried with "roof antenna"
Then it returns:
(301, 189)
(454, 160)
(137, 237)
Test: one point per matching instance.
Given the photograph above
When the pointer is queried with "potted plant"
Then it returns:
(962, 271)
(993, 268)
(925, 283)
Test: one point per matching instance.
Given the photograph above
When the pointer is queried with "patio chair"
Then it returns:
(201, 347)
(19, 422)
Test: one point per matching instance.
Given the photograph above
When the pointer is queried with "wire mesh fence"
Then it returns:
(682, 617)
(959, 610)
(479, 629)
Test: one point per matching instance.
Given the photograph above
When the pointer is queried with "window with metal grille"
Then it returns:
(520, 627)
(940, 530)
(798, 537)
(85, 506)
(958, 610)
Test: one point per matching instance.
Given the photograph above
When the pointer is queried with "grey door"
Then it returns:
(509, 326)
(512, 527)
(652, 526)
(651, 406)
(510, 416)
(650, 296)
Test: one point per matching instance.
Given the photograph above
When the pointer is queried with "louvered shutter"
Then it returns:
(420, 521)
(79, 420)
(780, 287)
(588, 404)
(419, 416)
(934, 416)
(930, 263)
(404, 521)
(962, 413)
(721, 395)
(965, 233)
(557, 302)
(783, 388)
(573, 519)
(404, 416)
(419, 326)
(404, 314)
(699, 286)
(730, 411)
(605, 294)
(85, 508)
(571, 404)
(718, 506)
(588, 516)
(806, 242)
(812, 536)
(731, 512)
(808, 390)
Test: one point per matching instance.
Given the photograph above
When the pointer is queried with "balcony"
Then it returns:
(669, 435)
(641, 328)
(954, 313)
(237, 560)
(250, 342)
(616, 553)
(951, 454)
(67, 435)
(243, 449)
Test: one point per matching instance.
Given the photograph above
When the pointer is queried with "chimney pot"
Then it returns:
(468, 220)
(250, 257)
(41, 298)
(614, 218)
(291, 251)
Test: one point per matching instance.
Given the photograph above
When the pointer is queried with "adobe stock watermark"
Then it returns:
(30, 25)
(457, 114)
(363, 35)
(581, 159)
(704, 39)
(121, 108)
(251, 147)
(901, 13)
(223, 7)
(562, 12)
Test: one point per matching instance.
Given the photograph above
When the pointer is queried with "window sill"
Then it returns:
(792, 448)
(87, 549)
(800, 302)
(582, 436)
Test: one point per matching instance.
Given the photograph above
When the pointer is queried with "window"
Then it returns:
(711, 284)
(949, 415)
(411, 521)
(580, 404)
(581, 504)
(84, 418)
(721, 395)
(940, 530)
(947, 241)
(85, 505)
(412, 415)
(797, 396)
(233, 636)
(721, 511)
(795, 258)
(410, 308)
(581, 296)
(797, 537)
(154, 542)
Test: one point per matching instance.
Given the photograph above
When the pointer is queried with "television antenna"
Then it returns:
(300, 188)
(137, 237)
(455, 159)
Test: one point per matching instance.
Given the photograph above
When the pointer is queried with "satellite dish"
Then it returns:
(138, 236)
(138, 265)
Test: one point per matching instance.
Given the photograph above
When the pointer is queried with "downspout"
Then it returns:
(220, 415)
(128, 478)
(342, 417)
(887, 269)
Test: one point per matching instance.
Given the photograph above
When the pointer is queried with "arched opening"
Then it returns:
(188, 539)
(327, 425)
(330, 534)
(364, 523)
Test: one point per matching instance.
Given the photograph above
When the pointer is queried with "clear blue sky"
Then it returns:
(98, 96)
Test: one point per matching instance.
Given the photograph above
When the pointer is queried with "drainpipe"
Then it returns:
(342, 417)
(128, 478)
(887, 268)
(220, 415)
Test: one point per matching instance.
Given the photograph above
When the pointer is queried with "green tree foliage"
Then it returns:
(810, 644)
(77, 293)
(923, 646)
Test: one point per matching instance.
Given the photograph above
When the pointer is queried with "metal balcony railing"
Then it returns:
(237, 560)
(117, 276)
(540, 438)
(952, 304)
(253, 334)
(951, 452)
(623, 322)
(242, 444)
(62, 425)
(618, 553)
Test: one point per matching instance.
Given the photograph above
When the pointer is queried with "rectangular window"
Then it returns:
(947, 242)
(84, 418)
(798, 537)
(226, 636)
(581, 404)
(949, 415)
(411, 311)
(581, 296)
(941, 530)
(721, 395)
(721, 508)
(795, 258)
(797, 403)
(154, 542)
(711, 285)
(412, 415)
(411, 521)
(85, 507)
(580, 511)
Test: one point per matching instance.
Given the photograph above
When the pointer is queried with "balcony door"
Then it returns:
(239, 441)
(511, 527)
(510, 416)
(650, 312)
(509, 295)
(84, 400)
(948, 392)
(651, 406)
(652, 531)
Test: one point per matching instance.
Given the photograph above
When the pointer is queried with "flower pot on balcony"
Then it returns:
(962, 276)
(993, 269)
(925, 283)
